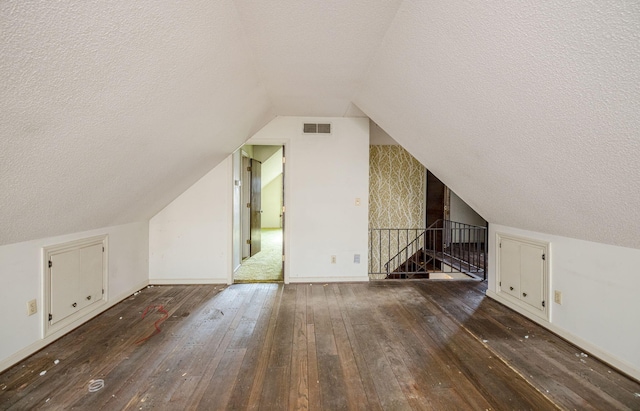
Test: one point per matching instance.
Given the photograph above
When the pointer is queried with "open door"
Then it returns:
(256, 206)
(245, 207)
(260, 210)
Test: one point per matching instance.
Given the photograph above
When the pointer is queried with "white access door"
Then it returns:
(64, 273)
(76, 280)
(510, 267)
(522, 273)
(91, 264)
(532, 275)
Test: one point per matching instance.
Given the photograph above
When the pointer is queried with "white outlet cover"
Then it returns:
(557, 297)
(32, 307)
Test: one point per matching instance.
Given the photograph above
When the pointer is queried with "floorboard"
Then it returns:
(386, 345)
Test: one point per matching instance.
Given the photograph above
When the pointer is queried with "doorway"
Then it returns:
(259, 207)
(438, 200)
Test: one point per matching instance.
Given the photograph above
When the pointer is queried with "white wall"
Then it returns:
(324, 174)
(271, 167)
(377, 136)
(599, 285)
(21, 274)
(190, 239)
(463, 213)
(272, 203)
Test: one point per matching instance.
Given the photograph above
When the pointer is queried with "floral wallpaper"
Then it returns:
(396, 188)
(396, 200)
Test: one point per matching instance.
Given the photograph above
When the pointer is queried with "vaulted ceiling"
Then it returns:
(530, 111)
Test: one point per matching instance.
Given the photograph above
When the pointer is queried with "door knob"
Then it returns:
(88, 297)
(74, 305)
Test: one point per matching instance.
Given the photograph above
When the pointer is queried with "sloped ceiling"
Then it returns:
(111, 109)
(528, 110)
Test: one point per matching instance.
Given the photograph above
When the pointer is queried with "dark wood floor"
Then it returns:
(390, 345)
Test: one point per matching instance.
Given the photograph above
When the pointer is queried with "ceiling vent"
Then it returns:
(316, 128)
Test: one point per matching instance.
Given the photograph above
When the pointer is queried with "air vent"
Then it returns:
(313, 128)
(324, 128)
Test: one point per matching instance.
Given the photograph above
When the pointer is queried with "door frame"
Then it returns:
(245, 212)
(286, 186)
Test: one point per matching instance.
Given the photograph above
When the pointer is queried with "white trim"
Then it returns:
(286, 230)
(230, 270)
(40, 344)
(572, 338)
(187, 281)
(352, 279)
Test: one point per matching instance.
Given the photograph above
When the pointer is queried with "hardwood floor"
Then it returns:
(388, 345)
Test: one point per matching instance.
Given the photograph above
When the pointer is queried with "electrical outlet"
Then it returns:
(333, 259)
(357, 201)
(557, 297)
(356, 258)
(32, 307)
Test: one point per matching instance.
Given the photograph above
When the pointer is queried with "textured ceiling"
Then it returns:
(112, 109)
(312, 54)
(530, 111)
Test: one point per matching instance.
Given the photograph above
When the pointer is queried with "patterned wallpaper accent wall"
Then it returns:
(396, 200)
(396, 188)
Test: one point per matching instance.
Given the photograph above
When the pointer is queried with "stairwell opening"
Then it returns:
(418, 227)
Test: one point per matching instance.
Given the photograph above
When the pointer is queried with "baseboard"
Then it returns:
(186, 281)
(40, 344)
(583, 344)
(353, 279)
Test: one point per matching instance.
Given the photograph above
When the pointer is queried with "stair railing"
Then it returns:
(443, 247)
(387, 243)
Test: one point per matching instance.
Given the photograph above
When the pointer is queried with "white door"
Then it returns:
(76, 280)
(510, 267)
(91, 265)
(65, 282)
(531, 275)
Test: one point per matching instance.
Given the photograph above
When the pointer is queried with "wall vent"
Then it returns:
(316, 128)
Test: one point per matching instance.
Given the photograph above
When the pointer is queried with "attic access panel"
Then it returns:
(316, 128)
(522, 273)
(74, 281)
